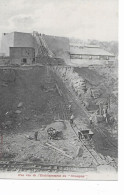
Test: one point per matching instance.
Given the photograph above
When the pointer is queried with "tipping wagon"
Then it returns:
(87, 134)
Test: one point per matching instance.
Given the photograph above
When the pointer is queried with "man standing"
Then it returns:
(91, 120)
(70, 108)
(80, 135)
(72, 119)
(36, 135)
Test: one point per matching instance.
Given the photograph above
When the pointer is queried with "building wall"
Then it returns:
(16, 39)
(6, 42)
(79, 56)
(111, 57)
(87, 62)
(19, 55)
(23, 39)
(97, 57)
(19, 61)
(58, 45)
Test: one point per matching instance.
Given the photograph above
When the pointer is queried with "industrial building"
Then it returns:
(19, 47)
(27, 48)
(15, 39)
(90, 54)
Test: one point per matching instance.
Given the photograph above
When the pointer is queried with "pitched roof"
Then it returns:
(90, 51)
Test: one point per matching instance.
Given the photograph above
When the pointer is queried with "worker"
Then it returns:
(105, 111)
(36, 135)
(97, 112)
(105, 117)
(69, 107)
(80, 135)
(72, 119)
(91, 120)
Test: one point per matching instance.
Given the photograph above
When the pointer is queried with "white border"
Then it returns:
(32, 187)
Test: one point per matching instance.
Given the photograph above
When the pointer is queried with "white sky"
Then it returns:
(83, 19)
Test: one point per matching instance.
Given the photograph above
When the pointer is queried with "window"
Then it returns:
(33, 60)
(24, 60)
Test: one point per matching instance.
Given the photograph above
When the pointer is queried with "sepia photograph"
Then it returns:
(59, 89)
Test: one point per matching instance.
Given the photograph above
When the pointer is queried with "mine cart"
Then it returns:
(87, 134)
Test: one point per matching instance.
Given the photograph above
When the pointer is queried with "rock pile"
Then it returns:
(75, 83)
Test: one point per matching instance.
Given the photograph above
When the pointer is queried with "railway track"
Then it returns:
(106, 138)
(38, 167)
(65, 117)
(98, 160)
(87, 115)
(95, 157)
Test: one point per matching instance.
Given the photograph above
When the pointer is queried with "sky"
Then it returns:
(82, 19)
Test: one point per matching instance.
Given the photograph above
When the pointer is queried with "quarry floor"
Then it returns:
(30, 102)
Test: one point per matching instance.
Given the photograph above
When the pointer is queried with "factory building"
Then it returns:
(15, 39)
(90, 54)
(19, 47)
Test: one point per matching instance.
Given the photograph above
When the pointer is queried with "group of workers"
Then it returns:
(72, 116)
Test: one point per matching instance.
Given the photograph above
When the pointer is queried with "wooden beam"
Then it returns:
(59, 91)
(61, 151)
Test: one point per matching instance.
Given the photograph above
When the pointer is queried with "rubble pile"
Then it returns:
(75, 83)
(90, 88)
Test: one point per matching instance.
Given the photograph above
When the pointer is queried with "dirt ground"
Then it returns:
(38, 95)
(29, 150)
(30, 102)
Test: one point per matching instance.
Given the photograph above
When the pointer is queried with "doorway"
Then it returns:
(24, 60)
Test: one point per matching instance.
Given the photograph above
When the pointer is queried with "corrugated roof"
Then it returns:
(90, 51)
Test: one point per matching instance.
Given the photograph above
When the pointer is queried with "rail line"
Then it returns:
(74, 125)
(93, 154)
(108, 141)
(99, 130)
(87, 114)
(37, 167)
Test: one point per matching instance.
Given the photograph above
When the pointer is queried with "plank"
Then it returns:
(61, 151)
